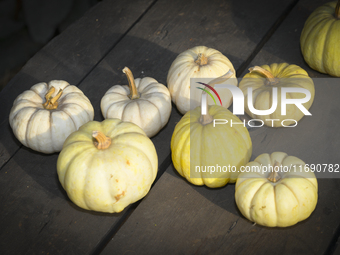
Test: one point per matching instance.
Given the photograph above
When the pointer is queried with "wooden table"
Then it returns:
(175, 217)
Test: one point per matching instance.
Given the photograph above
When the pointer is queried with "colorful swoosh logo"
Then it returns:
(208, 92)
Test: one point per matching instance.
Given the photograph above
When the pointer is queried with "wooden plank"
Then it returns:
(35, 209)
(179, 218)
(69, 56)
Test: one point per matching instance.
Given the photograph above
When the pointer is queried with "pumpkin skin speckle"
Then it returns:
(285, 202)
(101, 179)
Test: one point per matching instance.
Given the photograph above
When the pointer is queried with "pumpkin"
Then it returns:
(206, 153)
(320, 39)
(262, 80)
(276, 190)
(144, 102)
(105, 166)
(198, 62)
(45, 115)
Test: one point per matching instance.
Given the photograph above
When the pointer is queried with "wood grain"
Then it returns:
(179, 218)
(69, 56)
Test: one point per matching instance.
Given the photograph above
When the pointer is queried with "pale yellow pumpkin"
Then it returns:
(105, 166)
(276, 190)
(198, 62)
(262, 80)
(45, 115)
(199, 146)
(144, 102)
(320, 39)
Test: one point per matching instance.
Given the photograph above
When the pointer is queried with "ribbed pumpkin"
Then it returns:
(320, 39)
(262, 80)
(197, 145)
(105, 166)
(45, 115)
(279, 196)
(198, 62)
(144, 102)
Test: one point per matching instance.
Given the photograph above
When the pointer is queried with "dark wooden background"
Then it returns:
(175, 217)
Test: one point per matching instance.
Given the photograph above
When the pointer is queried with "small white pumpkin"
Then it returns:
(46, 114)
(144, 102)
(105, 166)
(276, 190)
(198, 62)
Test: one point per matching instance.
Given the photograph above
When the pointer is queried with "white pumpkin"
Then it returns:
(278, 190)
(198, 62)
(105, 166)
(144, 102)
(46, 114)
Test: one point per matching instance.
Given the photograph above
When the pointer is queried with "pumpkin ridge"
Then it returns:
(275, 202)
(299, 176)
(326, 45)
(123, 111)
(110, 106)
(70, 116)
(89, 159)
(29, 123)
(313, 37)
(157, 109)
(117, 93)
(73, 158)
(283, 183)
(184, 145)
(252, 200)
(50, 129)
(25, 108)
(80, 107)
(309, 33)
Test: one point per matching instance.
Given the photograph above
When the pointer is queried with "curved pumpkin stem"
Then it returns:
(51, 102)
(270, 77)
(102, 142)
(337, 10)
(132, 86)
(206, 118)
(274, 176)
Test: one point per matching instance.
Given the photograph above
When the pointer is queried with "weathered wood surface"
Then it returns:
(35, 210)
(175, 217)
(70, 56)
(180, 218)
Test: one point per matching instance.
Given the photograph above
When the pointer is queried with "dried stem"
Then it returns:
(101, 142)
(132, 86)
(274, 176)
(52, 102)
(270, 77)
(207, 118)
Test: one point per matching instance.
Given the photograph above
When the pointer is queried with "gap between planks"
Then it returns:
(167, 162)
(94, 66)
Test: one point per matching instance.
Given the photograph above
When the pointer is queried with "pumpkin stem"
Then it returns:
(51, 102)
(132, 86)
(274, 176)
(201, 60)
(206, 118)
(101, 142)
(337, 10)
(270, 77)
